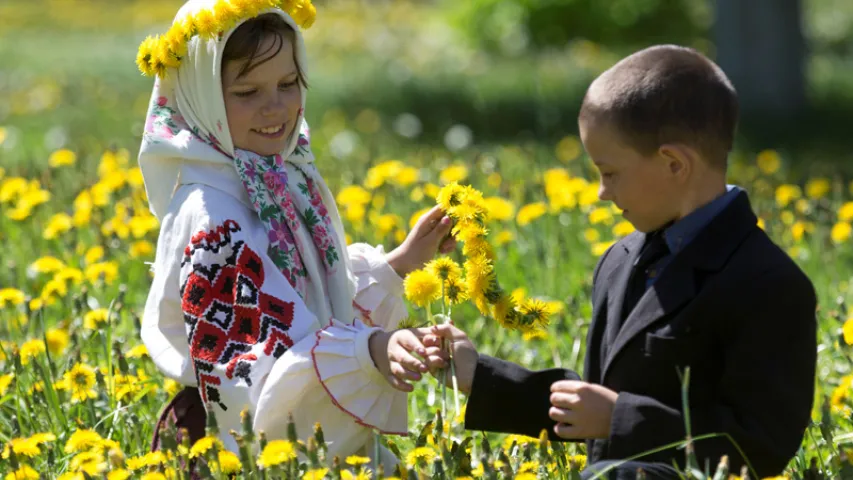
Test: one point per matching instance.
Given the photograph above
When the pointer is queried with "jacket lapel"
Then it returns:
(618, 280)
(676, 285)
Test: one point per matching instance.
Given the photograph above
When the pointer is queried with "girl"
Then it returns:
(256, 300)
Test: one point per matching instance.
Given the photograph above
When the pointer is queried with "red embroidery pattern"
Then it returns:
(226, 312)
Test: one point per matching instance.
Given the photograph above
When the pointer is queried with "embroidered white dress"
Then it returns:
(278, 335)
(220, 311)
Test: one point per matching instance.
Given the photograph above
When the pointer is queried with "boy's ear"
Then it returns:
(680, 159)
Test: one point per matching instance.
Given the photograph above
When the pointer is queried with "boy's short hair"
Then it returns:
(666, 93)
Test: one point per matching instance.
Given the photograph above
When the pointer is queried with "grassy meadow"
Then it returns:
(399, 107)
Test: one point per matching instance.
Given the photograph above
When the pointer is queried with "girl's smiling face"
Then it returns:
(262, 94)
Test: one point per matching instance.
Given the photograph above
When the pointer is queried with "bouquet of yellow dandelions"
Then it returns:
(465, 205)
(475, 280)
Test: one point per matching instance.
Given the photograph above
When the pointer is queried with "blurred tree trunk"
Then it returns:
(761, 48)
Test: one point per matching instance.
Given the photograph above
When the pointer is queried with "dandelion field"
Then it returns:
(78, 394)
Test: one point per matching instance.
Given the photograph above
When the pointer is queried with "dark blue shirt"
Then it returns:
(681, 233)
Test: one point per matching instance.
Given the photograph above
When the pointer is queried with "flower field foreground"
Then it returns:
(79, 396)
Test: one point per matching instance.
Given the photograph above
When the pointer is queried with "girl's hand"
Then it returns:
(429, 236)
(392, 353)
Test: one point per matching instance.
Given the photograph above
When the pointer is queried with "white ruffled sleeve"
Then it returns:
(379, 291)
(335, 368)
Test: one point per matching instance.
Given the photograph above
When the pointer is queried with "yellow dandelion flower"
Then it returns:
(422, 455)
(798, 229)
(47, 264)
(534, 334)
(477, 272)
(141, 248)
(11, 295)
(537, 311)
(450, 196)
(841, 232)
(21, 447)
(357, 461)
(57, 340)
(141, 225)
(453, 173)
(153, 476)
(591, 235)
(31, 349)
(845, 212)
(91, 463)
(504, 237)
(847, 329)
(203, 445)
(95, 317)
(407, 176)
(818, 188)
(444, 268)
(530, 212)
(623, 228)
(577, 462)
(277, 452)
(478, 247)
(229, 463)
(62, 158)
(81, 380)
(5, 381)
(353, 195)
(468, 231)
(786, 194)
(69, 274)
(82, 440)
(305, 15)
(455, 291)
(599, 248)
(120, 474)
(176, 42)
(769, 162)
(568, 149)
(525, 476)
(422, 287)
(137, 352)
(588, 195)
(504, 311)
(601, 215)
(25, 472)
(144, 55)
(205, 24)
(108, 271)
(315, 474)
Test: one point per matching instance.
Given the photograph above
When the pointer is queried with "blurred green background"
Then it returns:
(443, 71)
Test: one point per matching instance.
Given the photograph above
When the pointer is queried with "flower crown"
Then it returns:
(157, 54)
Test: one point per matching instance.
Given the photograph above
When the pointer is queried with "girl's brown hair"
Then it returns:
(244, 44)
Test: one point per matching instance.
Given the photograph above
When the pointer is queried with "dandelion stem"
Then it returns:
(450, 352)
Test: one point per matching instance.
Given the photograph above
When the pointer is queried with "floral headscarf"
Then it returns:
(186, 140)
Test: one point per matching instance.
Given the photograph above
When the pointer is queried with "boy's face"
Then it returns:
(644, 187)
(263, 105)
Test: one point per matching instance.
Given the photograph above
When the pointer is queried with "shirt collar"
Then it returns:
(682, 232)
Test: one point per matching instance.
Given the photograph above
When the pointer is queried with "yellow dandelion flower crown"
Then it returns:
(158, 53)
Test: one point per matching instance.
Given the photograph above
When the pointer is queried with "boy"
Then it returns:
(699, 284)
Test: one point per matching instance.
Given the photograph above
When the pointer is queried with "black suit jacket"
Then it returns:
(732, 306)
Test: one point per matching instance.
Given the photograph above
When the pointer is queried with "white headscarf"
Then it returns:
(186, 140)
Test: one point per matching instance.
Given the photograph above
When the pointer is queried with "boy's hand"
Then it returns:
(582, 410)
(465, 355)
(392, 354)
(429, 235)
